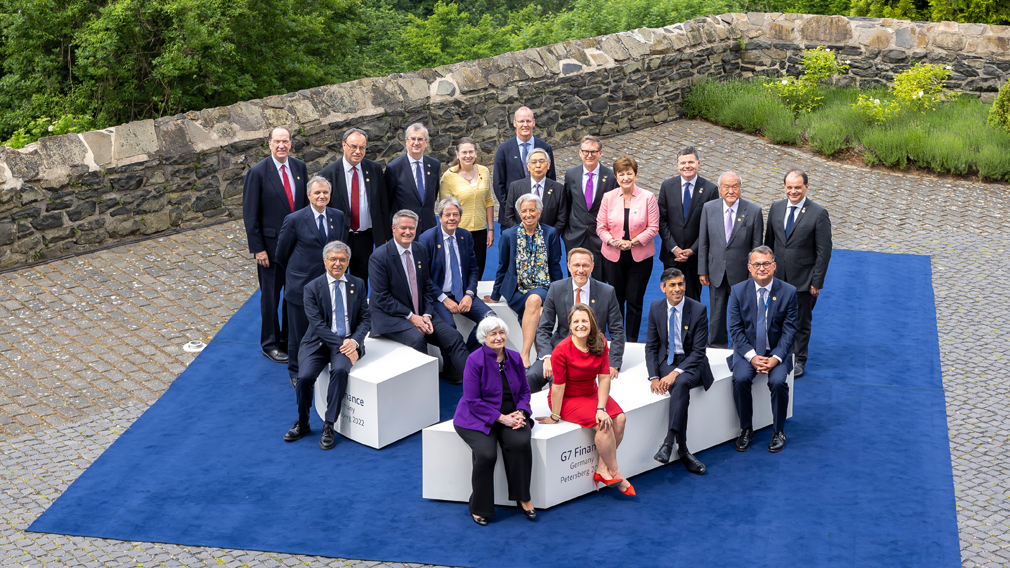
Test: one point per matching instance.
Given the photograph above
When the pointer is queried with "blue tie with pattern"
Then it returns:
(322, 229)
(762, 326)
(687, 199)
(526, 146)
(419, 179)
(457, 276)
(674, 338)
(339, 327)
(789, 220)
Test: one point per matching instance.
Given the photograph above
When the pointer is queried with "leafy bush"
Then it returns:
(802, 94)
(45, 126)
(742, 105)
(999, 116)
(917, 89)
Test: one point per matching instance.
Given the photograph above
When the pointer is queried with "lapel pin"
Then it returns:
(352, 290)
(774, 298)
(367, 179)
(699, 191)
(438, 246)
(592, 301)
(804, 210)
(739, 219)
(516, 157)
(685, 327)
(298, 177)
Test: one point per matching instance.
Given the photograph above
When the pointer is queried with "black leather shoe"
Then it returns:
(797, 370)
(479, 520)
(663, 455)
(778, 442)
(692, 463)
(744, 439)
(452, 380)
(276, 355)
(294, 382)
(327, 441)
(531, 514)
(297, 432)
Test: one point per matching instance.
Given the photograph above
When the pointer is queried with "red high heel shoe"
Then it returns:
(630, 491)
(597, 479)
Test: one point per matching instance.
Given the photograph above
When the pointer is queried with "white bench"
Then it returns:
(564, 455)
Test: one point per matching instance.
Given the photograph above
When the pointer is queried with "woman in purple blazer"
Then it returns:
(495, 411)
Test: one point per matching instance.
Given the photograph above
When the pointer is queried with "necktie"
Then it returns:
(526, 147)
(355, 206)
(729, 224)
(457, 276)
(536, 190)
(589, 192)
(287, 187)
(322, 229)
(412, 279)
(762, 328)
(674, 342)
(687, 199)
(339, 327)
(419, 179)
(578, 295)
(789, 220)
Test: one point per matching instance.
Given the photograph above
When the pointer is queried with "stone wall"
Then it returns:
(71, 193)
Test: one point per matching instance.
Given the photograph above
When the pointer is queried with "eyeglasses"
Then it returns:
(355, 147)
(589, 152)
(417, 140)
(538, 162)
(761, 264)
(524, 121)
(736, 187)
(339, 260)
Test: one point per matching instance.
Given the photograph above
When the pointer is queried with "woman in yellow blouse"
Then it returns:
(470, 183)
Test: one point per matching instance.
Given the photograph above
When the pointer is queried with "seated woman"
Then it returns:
(529, 260)
(495, 411)
(579, 361)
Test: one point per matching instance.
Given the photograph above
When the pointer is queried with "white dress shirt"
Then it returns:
(333, 302)
(796, 212)
(678, 323)
(447, 283)
(757, 298)
(406, 270)
(584, 296)
(726, 208)
(596, 180)
(533, 187)
(364, 218)
(287, 169)
(316, 215)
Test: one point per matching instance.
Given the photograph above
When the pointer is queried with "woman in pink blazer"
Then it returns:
(627, 223)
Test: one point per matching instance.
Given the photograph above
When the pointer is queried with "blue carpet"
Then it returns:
(864, 481)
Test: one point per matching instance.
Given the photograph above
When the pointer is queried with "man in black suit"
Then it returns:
(679, 365)
(552, 193)
(412, 179)
(799, 232)
(366, 207)
(512, 157)
(681, 200)
(274, 188)
(299, 246)
(762, 323)
(339, 320)
(403, 298)
(584, 189)
(581, 288)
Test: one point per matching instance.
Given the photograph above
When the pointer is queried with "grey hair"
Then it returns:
(349, 131)
(315, 180)
(415, 127)
(724, 174)
(405, 213)
(538, 151)
(441, 205)
(336, 246)
(489, 324)
(763, 249)
(529, 197)
(520, 109)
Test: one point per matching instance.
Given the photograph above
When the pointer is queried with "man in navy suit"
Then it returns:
(510, 160)
(359, 191)
(339, 320)
(762, 324)
(403, 298)
(551, 192)
(677, 366)
(454, 269)
(303, 236)
(274, 188)
(584, 189)
(412, 179)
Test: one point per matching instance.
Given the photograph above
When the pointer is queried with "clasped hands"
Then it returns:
(350, 349)
(462, 307)
(681, 255)
(515, 421)
(422, 323)
(624, 244)
(763, 364)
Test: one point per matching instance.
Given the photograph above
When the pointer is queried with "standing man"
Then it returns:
(799, 232)
(730, 228)
(762, 323)
(511, 161)
(552, 193)
(359, 191)
(299, 248)
(676, 360)
(337, 309)
(584, 189)
(681, 199)
(412, 179)
(273, 189)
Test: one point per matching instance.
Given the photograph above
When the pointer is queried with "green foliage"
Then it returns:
(448, 37)
(999, 116)
(803, 94)
(899, 9)
(970, 11)
(744, 106)
(872, 109)
(46, 126)
(918, 89)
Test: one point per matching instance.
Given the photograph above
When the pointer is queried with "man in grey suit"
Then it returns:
(563, 294)
(799, 232)
(730, 228)
(584, 189)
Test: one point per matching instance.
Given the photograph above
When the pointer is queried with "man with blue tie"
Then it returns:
(339, 321)
(412, 180)
(302, 238)
(675, 357)
(511, 161)
(454, 269)
(762, 324)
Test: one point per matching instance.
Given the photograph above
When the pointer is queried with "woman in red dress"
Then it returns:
(579, 362)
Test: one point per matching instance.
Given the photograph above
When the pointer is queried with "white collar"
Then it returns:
(679, 307)
(693, 180)
(330, 280)
(595, 172)
(413, 161)
(768, 287)
(317, 214)
(520, 142)
(401, 249)
(348, 166)
(800, 205)
(445, 235)
(277, 165)
(733, 207)
(584, 287)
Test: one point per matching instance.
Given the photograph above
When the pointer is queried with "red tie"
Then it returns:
(287, 189)
(354, 200)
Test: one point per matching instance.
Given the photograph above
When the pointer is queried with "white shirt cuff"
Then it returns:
(679, 371)
(749, 355)
(442, 297)
(777, 357)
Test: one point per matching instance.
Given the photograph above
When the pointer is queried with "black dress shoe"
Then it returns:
(452, 379)
(797, 370)
(778, 442)
(297, 432)
(663, 455)
(744, 439)
(531, 514)
(326, 441)
(294, 382)
(692, 463)
(479, 520)
(276, 355)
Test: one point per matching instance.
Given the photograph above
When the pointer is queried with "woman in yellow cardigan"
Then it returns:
(470, 183)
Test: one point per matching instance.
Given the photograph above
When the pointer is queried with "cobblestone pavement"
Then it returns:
(87, 344)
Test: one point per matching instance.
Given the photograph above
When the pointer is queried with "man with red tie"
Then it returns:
(274, 188)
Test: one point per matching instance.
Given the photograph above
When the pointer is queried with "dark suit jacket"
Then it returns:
(265, 203)
(802, 259)
(555, 211)
(673, 228)
(432, 240)
(390, 300)
(375, 189)
(603, 302)
(319, 312)
(480, 405)
(300, 248)
(506, 280)
(694, 339)
(582, 223)
(402, 189)
(508, 167)
(719, 259)
(782, 318)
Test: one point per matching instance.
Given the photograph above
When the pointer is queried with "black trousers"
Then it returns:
(692, 287)
(805, 316)
(480, 251)
(517, 454)
(361, 245)
(298, 324)
(680, 399)
(445, 337)
(535, 376)
(311, 365)
(743, 378)
(718, 299)
(271, 280)
(478, 311)
(630, 279)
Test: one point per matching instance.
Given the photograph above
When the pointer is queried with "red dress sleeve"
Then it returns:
(559, 363)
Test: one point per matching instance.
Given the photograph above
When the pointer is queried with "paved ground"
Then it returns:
(87, 344)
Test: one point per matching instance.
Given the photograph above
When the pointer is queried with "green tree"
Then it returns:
(448, 37)
(995, 12)
(899, 9)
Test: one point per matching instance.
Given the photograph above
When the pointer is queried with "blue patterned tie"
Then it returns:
(674, 336)
(322, 229)
(419, 179)
(789, 220)
(457, 277)
(687, 199)
(526, 146)
(339, 327)
(762, 328)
